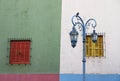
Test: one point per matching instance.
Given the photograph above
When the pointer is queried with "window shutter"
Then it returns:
(94, 49)
(20, 52)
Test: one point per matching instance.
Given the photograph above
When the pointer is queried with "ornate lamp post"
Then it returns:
(78, 22)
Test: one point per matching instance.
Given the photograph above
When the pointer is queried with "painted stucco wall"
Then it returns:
(107, 14)
(38, 20)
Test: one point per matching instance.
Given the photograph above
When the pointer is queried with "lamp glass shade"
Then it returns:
(94, 36)
(73, 37)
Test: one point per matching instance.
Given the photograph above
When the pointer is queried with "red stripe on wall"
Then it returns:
(29, 77)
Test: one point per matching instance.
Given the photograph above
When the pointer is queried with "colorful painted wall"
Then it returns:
(47, 24)
(106, 13)
(39, 21)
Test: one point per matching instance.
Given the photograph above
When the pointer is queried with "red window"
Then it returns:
(19, 51)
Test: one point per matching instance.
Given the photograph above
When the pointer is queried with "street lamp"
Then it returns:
(78, 22)
(73, 37)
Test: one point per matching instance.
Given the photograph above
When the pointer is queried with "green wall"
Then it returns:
(38, 20)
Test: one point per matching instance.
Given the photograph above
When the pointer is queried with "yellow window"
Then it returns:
(94, 49)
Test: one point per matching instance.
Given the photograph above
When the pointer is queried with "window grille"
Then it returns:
(19, 51)
(94, 49)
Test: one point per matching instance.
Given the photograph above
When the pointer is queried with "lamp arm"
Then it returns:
(80, 19)
(73, 21)
(92, 24)
(80, 22)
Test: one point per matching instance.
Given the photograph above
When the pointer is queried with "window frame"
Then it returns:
(28, 49)
(103, 45)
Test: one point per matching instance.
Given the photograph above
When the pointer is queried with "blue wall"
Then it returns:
(90, 77)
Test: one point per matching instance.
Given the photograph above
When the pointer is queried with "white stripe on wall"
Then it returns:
(107, 14)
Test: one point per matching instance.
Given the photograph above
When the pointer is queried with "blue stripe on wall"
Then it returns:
(90, 77)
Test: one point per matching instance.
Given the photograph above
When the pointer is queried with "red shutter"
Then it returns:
(20, 52)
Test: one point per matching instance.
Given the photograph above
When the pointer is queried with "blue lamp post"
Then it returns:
(78, 22)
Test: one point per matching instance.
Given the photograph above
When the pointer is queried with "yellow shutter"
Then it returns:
(94, 49)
